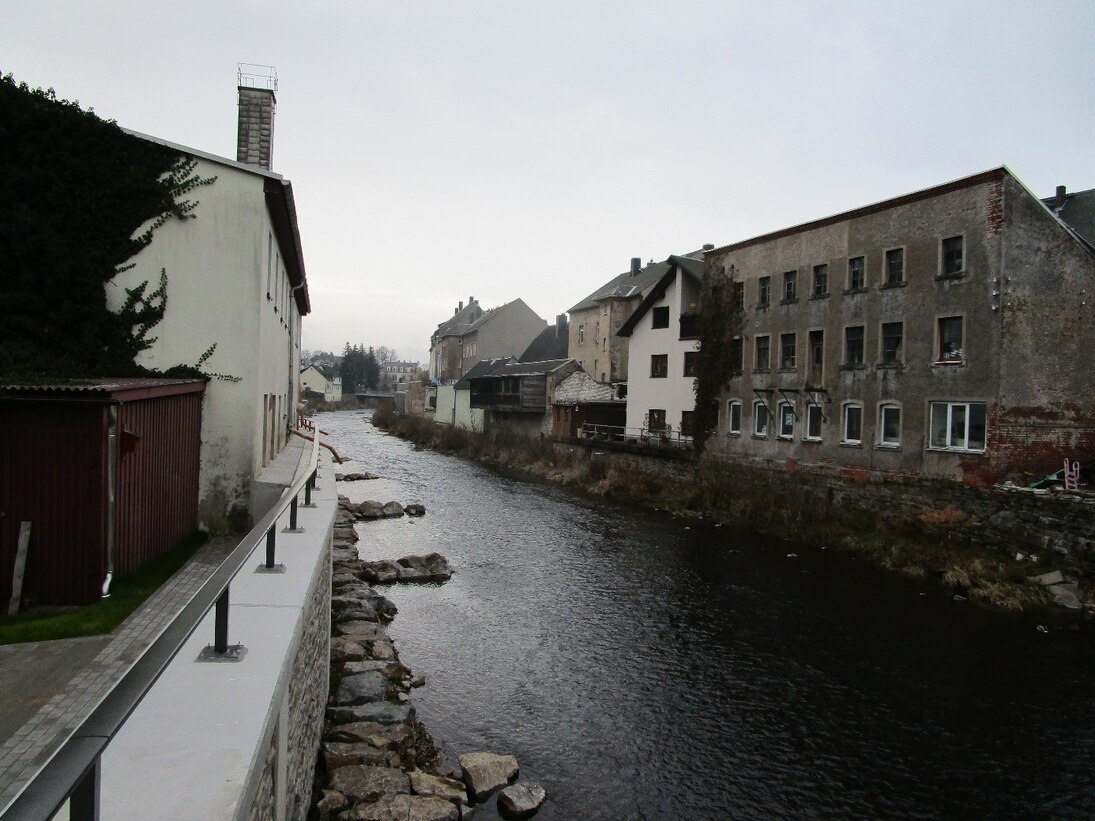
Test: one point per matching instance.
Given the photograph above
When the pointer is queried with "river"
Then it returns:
(643, 667)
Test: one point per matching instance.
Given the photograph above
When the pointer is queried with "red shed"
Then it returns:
(106, 472)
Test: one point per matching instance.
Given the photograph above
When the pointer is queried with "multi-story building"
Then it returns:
(662, 351)
(472, 334)
(944, 333)
(394, 373)
(595, 322)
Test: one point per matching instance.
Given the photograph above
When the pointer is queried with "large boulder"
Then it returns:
(369, 510)
(485, 772)
(382, 572)
(363, 688)
(404, 808)
(432, 567)
(414, 509)
(342, 754)
(355, 477)
(448, 788)
(392, 510)
(364, 783)
(378, 712)
(521, 800)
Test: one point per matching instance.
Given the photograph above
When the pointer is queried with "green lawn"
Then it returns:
(126, 595)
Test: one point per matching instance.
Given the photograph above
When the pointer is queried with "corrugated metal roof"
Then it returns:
(105, 388)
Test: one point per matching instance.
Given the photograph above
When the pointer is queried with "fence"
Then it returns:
(636, 436)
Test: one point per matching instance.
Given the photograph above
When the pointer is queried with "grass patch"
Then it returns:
(126, 595)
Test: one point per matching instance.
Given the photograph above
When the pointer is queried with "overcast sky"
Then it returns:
(440, 150)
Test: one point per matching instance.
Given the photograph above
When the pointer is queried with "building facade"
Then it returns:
(236, 293)
(945, 333)
(662, 350)
(473, 334)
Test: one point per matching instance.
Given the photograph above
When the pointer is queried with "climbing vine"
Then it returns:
(719, 322)
(82, 198)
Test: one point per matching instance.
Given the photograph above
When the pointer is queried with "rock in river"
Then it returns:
(485, 772)
(521, 800)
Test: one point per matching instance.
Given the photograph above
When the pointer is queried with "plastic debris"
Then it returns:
(958, 597)
(792, 555)
(1041, 628)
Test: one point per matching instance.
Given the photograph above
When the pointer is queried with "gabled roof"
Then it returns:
(550, 343)
(458, 324)
(1077, 213)
(690, 267)
(623, 286)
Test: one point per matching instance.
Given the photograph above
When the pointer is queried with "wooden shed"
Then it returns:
(106, 473)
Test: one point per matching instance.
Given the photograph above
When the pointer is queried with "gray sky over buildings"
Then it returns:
(529, 149)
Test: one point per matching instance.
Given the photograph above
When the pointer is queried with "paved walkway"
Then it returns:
(49, 688)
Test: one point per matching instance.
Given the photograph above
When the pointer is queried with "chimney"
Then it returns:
(636, 265)
(707, 246)
(460, 306)
(560, 325)
(471, 299)
(1059, 200)
(257, 86)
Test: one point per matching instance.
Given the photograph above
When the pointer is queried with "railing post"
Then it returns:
(84, 802)
(293, 514)
(220, 630)
(270, 548)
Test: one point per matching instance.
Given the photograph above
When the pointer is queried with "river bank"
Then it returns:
(1001, 578)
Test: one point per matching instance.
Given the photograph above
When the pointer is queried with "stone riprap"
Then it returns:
(521, 800)
(370, 509)
(355, 477)
(378, 763)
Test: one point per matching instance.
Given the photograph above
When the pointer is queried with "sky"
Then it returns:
(503, 150)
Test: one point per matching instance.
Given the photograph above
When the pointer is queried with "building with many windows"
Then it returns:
(945, 333)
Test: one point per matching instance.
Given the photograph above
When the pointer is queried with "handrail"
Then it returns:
(73, 770)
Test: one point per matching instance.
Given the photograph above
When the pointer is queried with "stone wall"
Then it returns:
(790, 495)
(295, 725)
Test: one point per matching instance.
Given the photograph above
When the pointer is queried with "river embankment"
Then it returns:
(1000, 575)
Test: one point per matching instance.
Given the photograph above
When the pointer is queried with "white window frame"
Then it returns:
(730, 429)
(581, 334)
(811, 409)
(883, 407)
(950, 437)
(844, 438)
(757, 432)
(782, 416)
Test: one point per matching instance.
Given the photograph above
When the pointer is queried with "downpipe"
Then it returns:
(111, 493)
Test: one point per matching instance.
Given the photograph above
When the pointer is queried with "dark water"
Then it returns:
(641, 667)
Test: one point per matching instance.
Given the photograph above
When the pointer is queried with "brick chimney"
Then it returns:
(257, 86)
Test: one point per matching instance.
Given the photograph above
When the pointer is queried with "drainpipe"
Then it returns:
(111, 492)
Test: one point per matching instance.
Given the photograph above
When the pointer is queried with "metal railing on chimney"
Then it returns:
(253, 75)
(72, 773)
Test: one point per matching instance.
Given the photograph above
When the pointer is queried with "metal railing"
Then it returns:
(72, 773)
(644, 437)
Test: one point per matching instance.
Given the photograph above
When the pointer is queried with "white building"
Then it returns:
(661, 353)
(321, 380)
(236, 281)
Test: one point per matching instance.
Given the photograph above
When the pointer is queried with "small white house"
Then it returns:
(235, 284)
(321, 380)
(662, 351)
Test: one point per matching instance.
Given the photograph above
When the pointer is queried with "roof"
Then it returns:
(582, 389)
(281, 205)
(458, 323)
(1077, 213)
(550, 343)
(626, 285)
(510, 367)
(905, 199)
(689, 266)
(130, 388)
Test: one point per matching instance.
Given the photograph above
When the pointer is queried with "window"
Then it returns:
(853, 345)
(786, 420)
(581, 334)
(895, 266)
(690, 362)
(957, 426)
(604, 343)
(953, 248)
(950, 339)
(787, 351)
(821, 280)
(733, 416)
(762, 353)
(737, 293)
(764, 292)
(889, 425)
(892, 334)
(688, 420)
(856, 275)
(790, 286)
(817, 353)
(660, 317)
(656, 419)
(813, 422)
(760, 419)
(659, 365)
(851, 430)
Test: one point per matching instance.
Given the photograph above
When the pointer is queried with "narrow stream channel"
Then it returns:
(642, 667)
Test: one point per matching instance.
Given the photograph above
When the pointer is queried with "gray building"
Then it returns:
(945, 333)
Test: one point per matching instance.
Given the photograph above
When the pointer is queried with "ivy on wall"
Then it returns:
(718, 322)
(77, 192)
